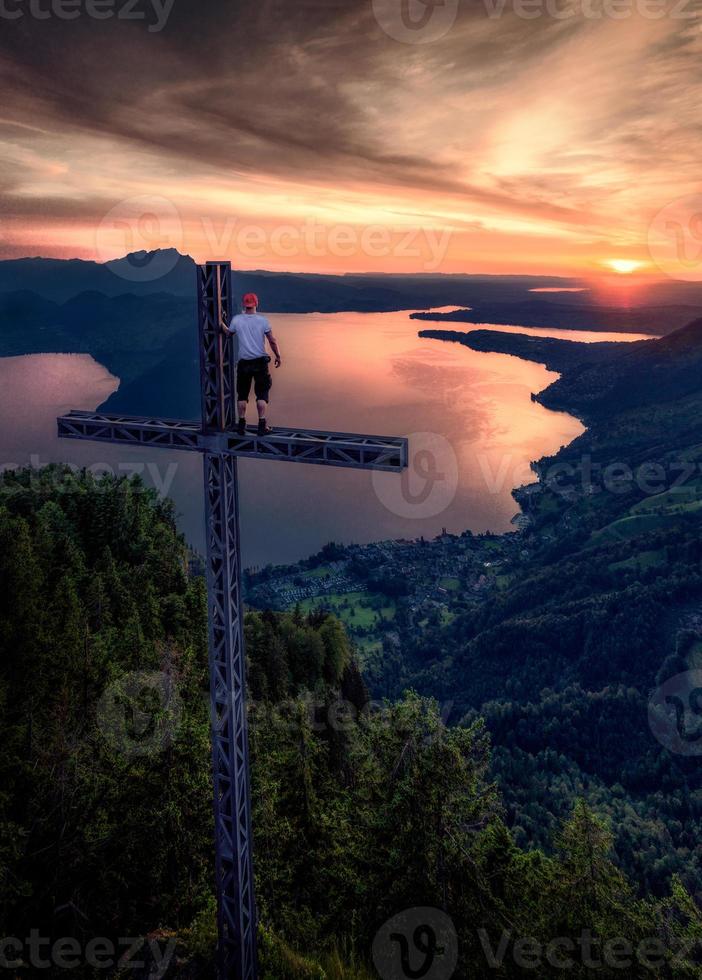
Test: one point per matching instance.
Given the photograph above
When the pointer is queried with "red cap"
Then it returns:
(250, 299)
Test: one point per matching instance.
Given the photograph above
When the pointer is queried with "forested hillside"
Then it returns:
(360, 810)
(563, 658)
(578, 314)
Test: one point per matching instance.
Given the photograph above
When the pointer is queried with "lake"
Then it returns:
(473, 425)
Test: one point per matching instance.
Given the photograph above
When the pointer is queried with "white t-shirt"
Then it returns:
(251, 330)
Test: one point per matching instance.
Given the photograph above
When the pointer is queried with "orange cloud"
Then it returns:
(508, 145)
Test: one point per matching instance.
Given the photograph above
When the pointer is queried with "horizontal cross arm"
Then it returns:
(353, 451)
(130, 430)
(350, 450)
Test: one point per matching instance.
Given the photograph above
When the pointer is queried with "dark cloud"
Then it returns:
(253, 86)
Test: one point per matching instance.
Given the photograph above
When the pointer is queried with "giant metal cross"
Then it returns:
(216, 438)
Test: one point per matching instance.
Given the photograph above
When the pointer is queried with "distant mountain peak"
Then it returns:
(144, 256)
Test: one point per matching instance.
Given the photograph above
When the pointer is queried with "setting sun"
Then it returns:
(624, 266)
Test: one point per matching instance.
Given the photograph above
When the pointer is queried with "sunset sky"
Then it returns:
(305, 136)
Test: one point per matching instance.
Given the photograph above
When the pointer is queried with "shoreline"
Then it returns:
(535, 397)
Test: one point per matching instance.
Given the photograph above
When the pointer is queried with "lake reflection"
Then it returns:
(353, 372)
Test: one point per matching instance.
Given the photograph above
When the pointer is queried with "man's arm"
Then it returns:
(225, 326)
(274, 347)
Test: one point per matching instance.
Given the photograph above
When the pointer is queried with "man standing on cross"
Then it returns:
(252, 331)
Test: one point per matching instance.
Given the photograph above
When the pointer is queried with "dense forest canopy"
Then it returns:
(360, 810)
(564, 660)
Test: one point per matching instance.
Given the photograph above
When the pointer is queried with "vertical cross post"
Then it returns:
(221, 446)
(236, 904)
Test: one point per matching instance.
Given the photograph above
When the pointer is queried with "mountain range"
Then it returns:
(167, 271)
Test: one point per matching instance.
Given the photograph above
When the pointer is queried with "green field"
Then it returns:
(317, 573)
(646, 559)
(652, 513)
(355, 609)
(630, 527)
(546, 503)
(494, 544)
(368, 649)
(450, 584)
(685, 498)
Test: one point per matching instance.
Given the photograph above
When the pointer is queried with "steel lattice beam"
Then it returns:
(217, 354)
(220, 445)
(290, 445)
(128, 430)
(230, 744)
(236, 900)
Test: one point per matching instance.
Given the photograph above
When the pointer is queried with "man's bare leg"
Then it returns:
(242, 417)
(263, 426)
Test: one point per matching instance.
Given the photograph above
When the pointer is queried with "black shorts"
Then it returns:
(254, 372)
